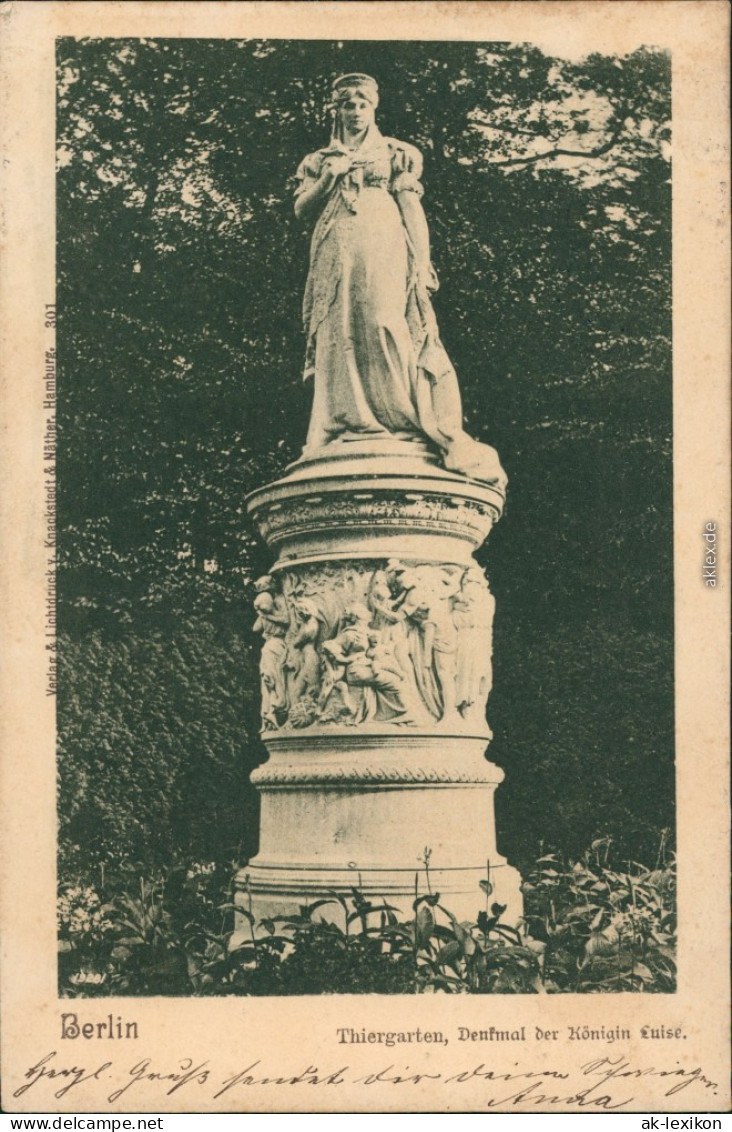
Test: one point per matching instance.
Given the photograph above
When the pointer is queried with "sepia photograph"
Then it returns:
(307, 294)
(369, 561)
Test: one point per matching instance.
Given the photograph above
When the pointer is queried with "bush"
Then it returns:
(157, 735)
(604, 929)
(588, 927)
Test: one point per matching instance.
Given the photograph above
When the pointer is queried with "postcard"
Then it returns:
(366, 557)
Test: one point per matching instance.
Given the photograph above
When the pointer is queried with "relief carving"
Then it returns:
(406, 644)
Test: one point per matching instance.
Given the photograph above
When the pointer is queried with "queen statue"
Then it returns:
(373, 346)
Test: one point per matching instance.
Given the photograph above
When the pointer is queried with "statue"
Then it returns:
(473, 612)
(375, 678)
(363, 670)
(303, 659)
(373, 346)
(272, 621)
(424, 594)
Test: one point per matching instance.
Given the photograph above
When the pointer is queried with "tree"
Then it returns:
(180, 356)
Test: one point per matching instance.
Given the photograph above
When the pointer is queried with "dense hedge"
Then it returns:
(155, 744)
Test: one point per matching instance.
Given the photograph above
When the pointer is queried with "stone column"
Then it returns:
(375, 671)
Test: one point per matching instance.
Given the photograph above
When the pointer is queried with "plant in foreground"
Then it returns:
(588, 927)
(604, 929)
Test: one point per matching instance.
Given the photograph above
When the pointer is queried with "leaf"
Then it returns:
(509, 933)
(425, 923)
(308, 909)
(597, 919)
(243, 951)
(465, 939)
(604, 942)
(340, 898)
(363, 911)
(449, 952)
(485, 922)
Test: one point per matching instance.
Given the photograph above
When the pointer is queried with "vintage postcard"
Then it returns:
(365, 577)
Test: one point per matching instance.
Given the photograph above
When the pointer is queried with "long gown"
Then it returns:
(373, 346)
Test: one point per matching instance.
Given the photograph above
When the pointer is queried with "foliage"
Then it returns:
(582, 715)
(180, 273)
(174, 159)
(152, 744)
(604, 929)
(588, 927)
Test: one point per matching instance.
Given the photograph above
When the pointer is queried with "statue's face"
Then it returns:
(357, 114)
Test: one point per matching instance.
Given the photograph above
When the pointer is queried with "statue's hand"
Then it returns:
(428, 278)
(336, 165)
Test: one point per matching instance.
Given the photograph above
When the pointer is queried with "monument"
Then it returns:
(376, 621)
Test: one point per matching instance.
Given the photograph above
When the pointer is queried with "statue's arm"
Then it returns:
(415, 222)
(316, 187)
(407, 190)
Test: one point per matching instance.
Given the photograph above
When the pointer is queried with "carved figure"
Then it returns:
(424, 594)
(363, 670)
(407, 643)
(272, 622)
(373, 346)
(342, 655)
(473, 611)
(393, 689)
(303, 663)
(390, 622)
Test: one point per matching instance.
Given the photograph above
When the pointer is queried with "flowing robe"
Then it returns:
(373, 346)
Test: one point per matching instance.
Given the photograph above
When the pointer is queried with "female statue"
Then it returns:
(273, 621)
(303, 661)
(373, 347)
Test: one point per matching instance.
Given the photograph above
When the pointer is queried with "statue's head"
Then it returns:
(357, 613)
(264, 602)
(355, 98)
(307, 610)
(395, 571)
(264, 584)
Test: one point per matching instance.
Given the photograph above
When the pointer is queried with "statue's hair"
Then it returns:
(344, 85)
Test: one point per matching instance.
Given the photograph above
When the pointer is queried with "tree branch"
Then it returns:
(588, 153)
(508, 129)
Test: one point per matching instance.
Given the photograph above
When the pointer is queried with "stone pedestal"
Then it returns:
(376, 669)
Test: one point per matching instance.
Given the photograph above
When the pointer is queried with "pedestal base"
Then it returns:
(394, 815)
(281, 890)
(375, 672)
